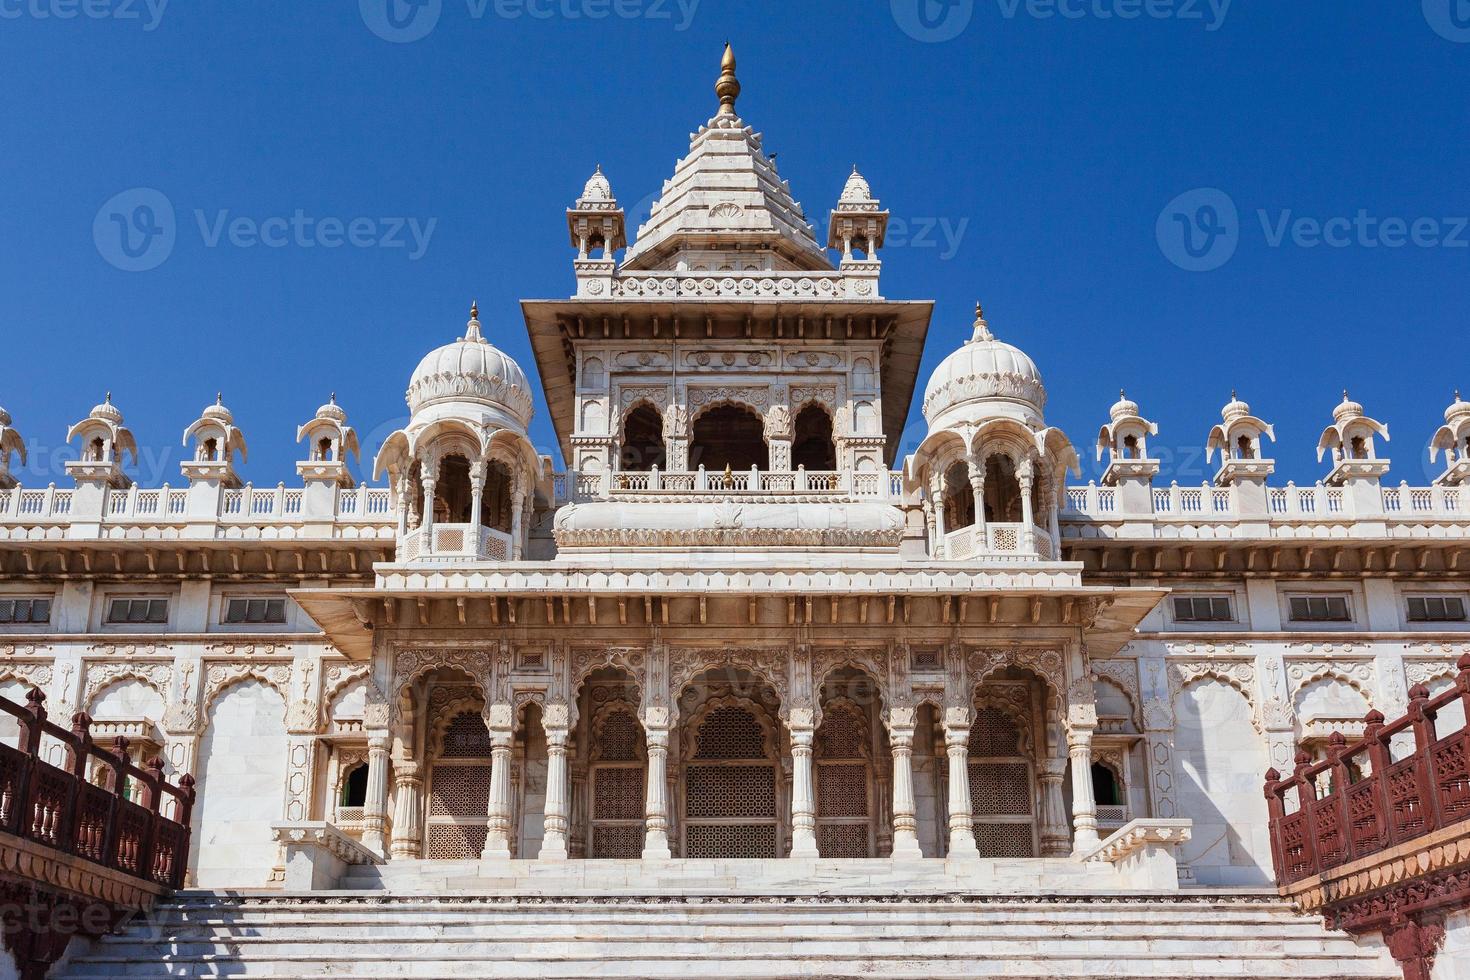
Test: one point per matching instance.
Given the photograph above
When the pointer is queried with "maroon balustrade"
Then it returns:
(57, 806)
(1373, 801)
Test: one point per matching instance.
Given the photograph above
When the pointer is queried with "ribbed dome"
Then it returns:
(107, 412)
(1235, 409)
(1123, 408)
(1458, 408)
(597, 189)
(332, 411)
(1347, 409)
(471, 370)
(857, 190)
(984, 369)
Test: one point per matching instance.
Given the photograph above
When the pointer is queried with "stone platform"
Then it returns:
(374, 934)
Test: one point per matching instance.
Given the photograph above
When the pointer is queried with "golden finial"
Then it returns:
(474, 309)
(982, 329)
(728, 87)
(219, 398)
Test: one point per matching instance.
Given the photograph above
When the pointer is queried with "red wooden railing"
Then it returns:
(60, 808)
(1374, 801)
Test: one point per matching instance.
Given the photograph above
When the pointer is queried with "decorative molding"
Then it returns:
(101, 676)
(220, 676)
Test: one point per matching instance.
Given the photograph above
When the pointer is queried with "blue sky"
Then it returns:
(1047, 157)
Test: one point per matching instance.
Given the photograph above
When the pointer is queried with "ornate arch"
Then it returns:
(764, 717)
(1010, 704)
(100, 677)
(1047, 664)
(601, 714)
(826, 662)
(219, 677)
(1356, 676)
(443, 717)
(846, 705)
(767, 663)
(1239, 675)
(1124, 675)
(631, 660)
(34, 675)
(410, 665)
(704, 400)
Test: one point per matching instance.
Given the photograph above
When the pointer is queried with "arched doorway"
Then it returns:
(733, 800)
(458, 784)
(813, 447)
(617, 769)
(1002, 773)
(959, 498)
(729, 436)
(1002, 490)
(843, 775)
(643, 440)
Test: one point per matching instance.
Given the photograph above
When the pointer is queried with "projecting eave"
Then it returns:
(587, 600)
(556, 326)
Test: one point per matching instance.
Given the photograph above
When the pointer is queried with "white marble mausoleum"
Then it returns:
(739, 624)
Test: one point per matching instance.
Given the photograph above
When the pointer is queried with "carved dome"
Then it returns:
(985, 372)
(1235, 409)
(331, 411)
(597, 189)
(106, 412)
(471, 371)
(1458, 409)
(1347, 409)
(1123, 408)
(857, 190)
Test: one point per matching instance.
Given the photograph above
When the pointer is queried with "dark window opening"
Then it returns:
(354, 787)
(1202, 609)
(138, 611)
(1105, 788)
(25, 610)
(643, 440)
(1320, 609)
(729, 436)
(1436, 609)
(255, 610)
(813, 447)
(959, 498)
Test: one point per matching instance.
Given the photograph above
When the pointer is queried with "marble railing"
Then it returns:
(165, 504)
(996, 539)
(837, 486)
(464, 542)
(743, 285)
(1291, 502)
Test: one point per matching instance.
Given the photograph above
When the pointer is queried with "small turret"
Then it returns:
(1124, 440)
(858, 222)
(330, 441)
(1350, 444)
(1453, 438)
(104, 439)
(597, 225)
(215, 442)
(11, 444)
(1239, 441)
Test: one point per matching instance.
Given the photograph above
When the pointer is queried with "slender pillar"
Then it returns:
(977, 488)
(554, 824)
(1084, 806)
(1053, 524)
(1054, 842)
(403, 505)
(375, 807)
(517, 532)
(426, 519)
(961, 816)
(477, 493)
(1028, 514)
(497, 830)
(905, 813)
(408, 809)
(803, 807)
(656, 810)
(936, 493)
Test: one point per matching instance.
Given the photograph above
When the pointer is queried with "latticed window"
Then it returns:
(459, 791)
(1002, 795)
(617, 785)
(843, 781)
(730, 788)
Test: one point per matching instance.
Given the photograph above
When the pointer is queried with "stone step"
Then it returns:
(372, 935)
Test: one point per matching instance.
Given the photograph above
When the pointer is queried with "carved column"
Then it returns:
(961, 812)
(1158, 728)
(408, 809)
(1084, 806)
(497, 830)
(517, 508)
(375, 807)
(676, 439)
(403, 504)
(426, 517)
(1026, 477)
(977, 490)
(1054, 838)
(905, 812)
(656, 809)
(556, 720)
(936, 494)
(477, 493)
(803, 806)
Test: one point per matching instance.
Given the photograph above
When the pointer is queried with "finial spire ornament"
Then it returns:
(728, 87)
(982, 329)
(472, 329)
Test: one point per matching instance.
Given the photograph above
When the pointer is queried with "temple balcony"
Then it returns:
(449, 543)
(796, 485)
(997, 540)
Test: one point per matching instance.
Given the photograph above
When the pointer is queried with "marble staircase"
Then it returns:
(467, 921)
